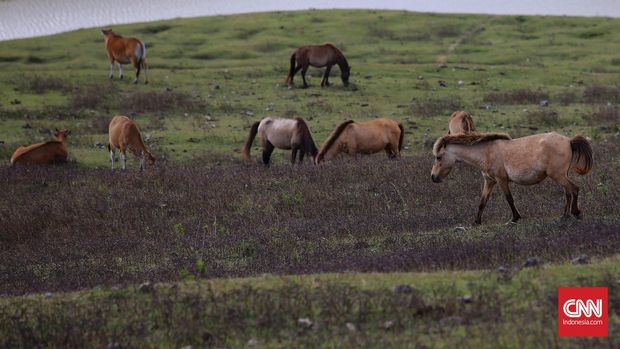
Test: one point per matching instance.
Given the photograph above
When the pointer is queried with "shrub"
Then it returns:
(520, 96)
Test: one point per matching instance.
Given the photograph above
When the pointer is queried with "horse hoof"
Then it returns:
(135, 82)
(146, 82)
(509, 223)
(120, 77)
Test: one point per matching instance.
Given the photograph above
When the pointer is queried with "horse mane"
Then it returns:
(333, 137)
(471, 138)
(309, 145)
(345, 63)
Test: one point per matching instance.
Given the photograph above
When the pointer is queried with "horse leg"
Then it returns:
(267, 150)
(136, 65)
(111, 75)
(303, 75)
(325, 81)
(389, 150)
(302, 152)
(489, 183)
(123, 159)
(297, 69)
(293, 155)
(142, 160)
(571, 192)
(120, 71)
(504, 184)
(112, 156)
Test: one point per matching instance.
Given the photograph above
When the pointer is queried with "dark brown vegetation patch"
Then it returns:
(601, 94)
(520, 96)
(72, 228)
(42, 83)
(436, 105)
(152, 101)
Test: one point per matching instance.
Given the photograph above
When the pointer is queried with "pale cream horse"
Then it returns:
(525, 161)
(281, 133)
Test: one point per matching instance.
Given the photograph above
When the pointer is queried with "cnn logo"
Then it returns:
(582, 311)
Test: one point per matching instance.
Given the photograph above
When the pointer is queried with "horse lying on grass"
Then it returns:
(525, 161)
(48, 153)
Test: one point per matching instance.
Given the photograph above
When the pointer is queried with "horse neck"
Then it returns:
(474, 155)
(342, 62)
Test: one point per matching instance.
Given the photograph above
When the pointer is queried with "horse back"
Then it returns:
(41, 153)
(124, 49)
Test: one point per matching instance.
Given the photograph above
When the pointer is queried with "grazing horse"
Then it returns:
(283, 134)
(461, 122)
(318, 56)
(125, 135)
(48, 153)
(125, 51)
(525, 161)
(367, 137)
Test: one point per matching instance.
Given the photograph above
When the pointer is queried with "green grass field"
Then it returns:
(210, 79)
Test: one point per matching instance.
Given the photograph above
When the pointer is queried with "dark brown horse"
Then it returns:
(318, 56)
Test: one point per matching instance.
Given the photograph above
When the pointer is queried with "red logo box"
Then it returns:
(582, 311)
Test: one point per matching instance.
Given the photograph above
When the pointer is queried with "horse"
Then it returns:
(47, 153)
(367, 137)
(461, 122)
(123, 51)
(283, 134)
(525, 161)
(318, 56)
(124, 135)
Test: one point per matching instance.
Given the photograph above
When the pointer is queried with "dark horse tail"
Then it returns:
(309, 146)
(582, 155)
(249, 141)
(332, 139)
(291, 70)
(402, 135)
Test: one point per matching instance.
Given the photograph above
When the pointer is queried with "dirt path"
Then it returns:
(443, 58)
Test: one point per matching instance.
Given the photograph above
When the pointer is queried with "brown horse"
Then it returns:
(318, 56)
(283, 134)
(124, 135)
(525, 161)
(125, 51)
(48, 153)
(367, 137)
(461, 122)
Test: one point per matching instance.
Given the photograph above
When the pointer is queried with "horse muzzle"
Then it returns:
(435, 178)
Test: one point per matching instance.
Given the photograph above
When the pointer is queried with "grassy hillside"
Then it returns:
(212, 77)
(215, 236)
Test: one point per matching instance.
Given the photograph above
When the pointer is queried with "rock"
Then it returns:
(99, 145)
(420, 77)
(193, 140)
(532, 262)
(442, 83)
(114, 345)
(304, 322)
(252, 342)
(501, 269)
(402, 289)
(48, 294)
(387, 324)
(459, 229)
(248, 113)
(451, 321)
(461, 82)
(466, 299)
(544, 103)
(351, 327)
(27, 126)
(146, 287)
(187, 347)
(583, 259)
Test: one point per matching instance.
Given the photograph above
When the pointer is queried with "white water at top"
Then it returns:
(28, 18)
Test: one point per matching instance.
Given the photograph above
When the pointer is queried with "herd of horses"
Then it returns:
(500, 159)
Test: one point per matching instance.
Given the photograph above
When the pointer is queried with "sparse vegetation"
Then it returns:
(411, 270)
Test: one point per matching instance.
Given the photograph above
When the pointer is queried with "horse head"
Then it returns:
(444, 161)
